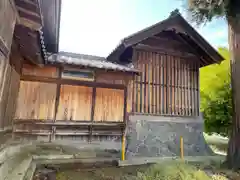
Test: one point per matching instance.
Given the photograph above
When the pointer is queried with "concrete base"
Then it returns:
(159, 136)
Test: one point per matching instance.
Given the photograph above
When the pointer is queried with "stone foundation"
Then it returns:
(154, 136)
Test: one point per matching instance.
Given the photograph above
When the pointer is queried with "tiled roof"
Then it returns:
(88, 61)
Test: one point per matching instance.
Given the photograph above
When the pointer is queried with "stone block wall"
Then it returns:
(153, 136)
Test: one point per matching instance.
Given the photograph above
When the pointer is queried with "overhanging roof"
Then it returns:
(67, 58)
(51, 11)
(176, 22)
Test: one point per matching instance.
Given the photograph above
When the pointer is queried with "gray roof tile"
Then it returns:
(88, 61)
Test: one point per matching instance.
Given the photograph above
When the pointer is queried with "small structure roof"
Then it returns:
(88, 61)
(183, 30)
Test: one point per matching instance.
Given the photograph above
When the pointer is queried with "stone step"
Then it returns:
(30, 172)
(10, 165)
(19, 172)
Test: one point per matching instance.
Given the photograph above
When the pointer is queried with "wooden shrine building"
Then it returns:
(147, 89)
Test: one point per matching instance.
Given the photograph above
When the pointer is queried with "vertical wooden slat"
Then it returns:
(184, 86)
(141, 82)
(145, 82)
(136, 87)
(58, 89)
(163, 84)
(153, 82)
(194, 89)
(180, 87)
(198, 89)
(134, 82)
(189, 89)
(170, 85)
(149, 79)
(192, 86)
(186, 80)
(157, 82)
(160, 83)
(125, 106)
(174, 85)
(166, 85)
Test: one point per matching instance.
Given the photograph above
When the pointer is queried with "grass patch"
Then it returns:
(172, 170)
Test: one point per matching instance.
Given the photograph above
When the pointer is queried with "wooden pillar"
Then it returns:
(56, 105)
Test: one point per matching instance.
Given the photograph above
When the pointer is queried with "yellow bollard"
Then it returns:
(123, 147)
(181, 147)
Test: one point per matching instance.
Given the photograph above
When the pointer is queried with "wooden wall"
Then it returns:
(109, 105)
(75, 103)
(9, 87)
(100, 100)
(8, 75)
(36, 100)
(168, 84)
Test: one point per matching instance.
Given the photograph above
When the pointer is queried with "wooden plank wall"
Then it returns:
(168, 85)
(75, 103)
(36, 100)
(61, 107)
(9, 86)
(109, 105)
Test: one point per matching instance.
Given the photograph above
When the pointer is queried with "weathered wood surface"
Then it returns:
(46, 71)
(8, 20)
(167, 85)
(109, 105)
(75, 103)
(36, 100)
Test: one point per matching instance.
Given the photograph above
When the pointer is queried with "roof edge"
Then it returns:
(174, 18)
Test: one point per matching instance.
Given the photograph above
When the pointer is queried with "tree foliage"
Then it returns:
(216, 96)
(205, 10)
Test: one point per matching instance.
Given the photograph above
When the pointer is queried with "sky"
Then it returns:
(95, 27)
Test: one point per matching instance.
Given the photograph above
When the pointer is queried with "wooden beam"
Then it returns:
(30, 24)
(71, 82)
(93, 108)
(190, 47)
(67, 123)
(28, 5)
(164, 51)
(3, 48)
(56, 105)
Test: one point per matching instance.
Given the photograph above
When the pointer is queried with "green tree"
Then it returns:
(206, 10)
(216, 96)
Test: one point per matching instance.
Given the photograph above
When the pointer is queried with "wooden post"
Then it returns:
(123, 147)
(58, 89)
(181, 147)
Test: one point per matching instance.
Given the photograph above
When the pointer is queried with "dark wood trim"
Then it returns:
(3, 48)
(58, 89)
(70, 82)
(93, 103)
(92, 110)
(136, 87)
(29, 15)
(165, 51)
(50, 122)
(28, 5)
(145, 87)
(167, 83)
(152, 86)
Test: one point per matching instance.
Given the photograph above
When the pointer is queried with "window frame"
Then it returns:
(78, 74)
